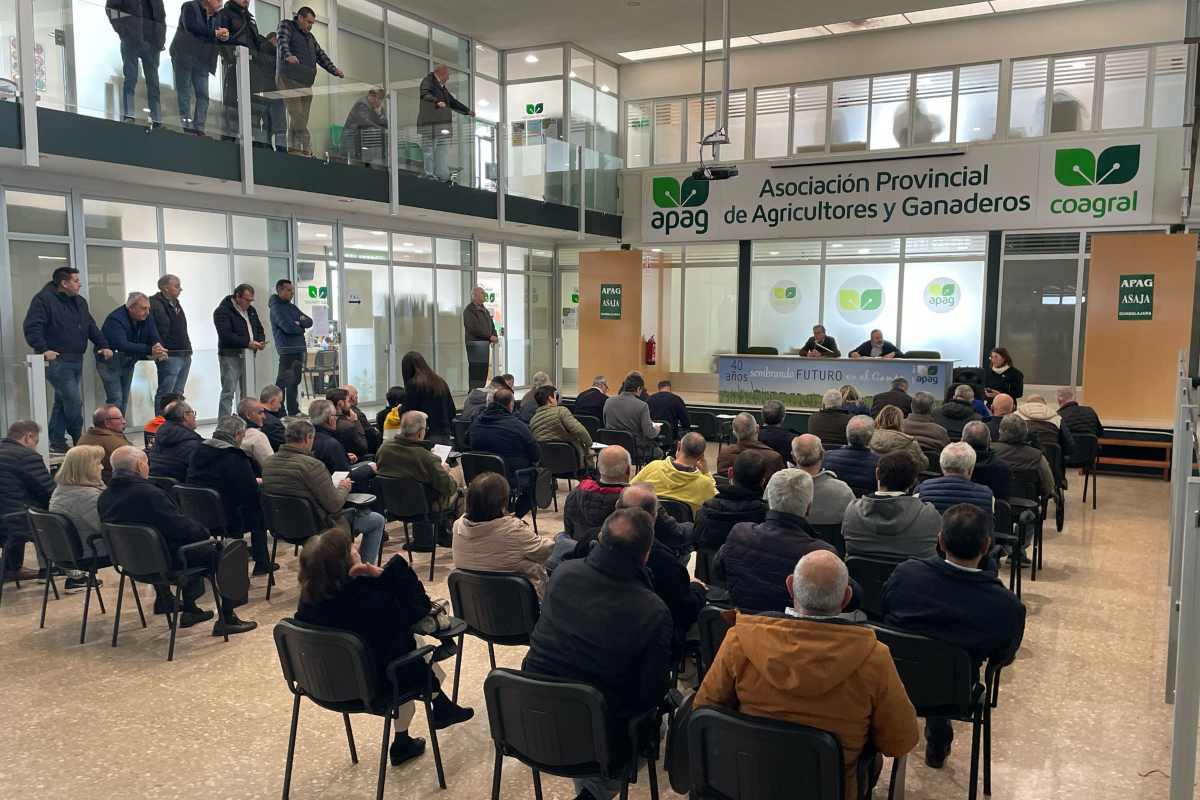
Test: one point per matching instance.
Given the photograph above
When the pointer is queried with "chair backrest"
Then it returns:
(677, 509)
(167, 484)
(666, 431)
(722, 481)
(832, 533)
(203, 505)
(705, 557)
(57, 536)
(871, 574)
(1054, 457)
(590, 423)
(713, 626)
(289, 518)
(475, 463)
(623, 438)
(326, 359)
(934, 457)
(705, 423)
(1086, 448)
(138, 550)
(922, 354)
(1027, 484)
(552, 725)
(501, 607)
(1002, 516)
(762, 351)
(559, 458)
(734, 756)
(404, 498)
(462, 433)
(938, 677)
(327, 665)
(148, 440)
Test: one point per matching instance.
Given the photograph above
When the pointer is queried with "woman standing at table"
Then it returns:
(1001, 377)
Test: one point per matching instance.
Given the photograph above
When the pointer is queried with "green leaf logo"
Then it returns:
(1075, 166)
(1078, 166)
(323, 292)
(575, 298)
(665, 191)
(871, 299)
(312, 292)
(932, 369)
(1118, 164)
(489, 297)
(534, 108)
(848, 300)
(948, 290)
(693, 193)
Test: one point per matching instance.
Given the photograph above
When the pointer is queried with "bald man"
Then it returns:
(480, 335)
(1002, 405)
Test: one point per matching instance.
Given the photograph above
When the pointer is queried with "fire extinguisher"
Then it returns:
(649, 347)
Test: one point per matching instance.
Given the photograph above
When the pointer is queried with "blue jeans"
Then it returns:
(172, 378)
(67, 414)
(191, 81)
(370, 525)
(131, 54)
(117, 376)
(434, 146)
(233, 381)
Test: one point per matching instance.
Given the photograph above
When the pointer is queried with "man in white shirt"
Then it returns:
(255, 441)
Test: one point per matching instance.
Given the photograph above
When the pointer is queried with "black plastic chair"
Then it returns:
(1002, 516)
(408, 501)
(1028, 502)
(561, 460)
(871, 574)
(164, 482)
(476, 463)
(14, 532)
(288, 519)
(139, 553)
(497, 607)
(722, 481)
(462, 433)
(832, 533)
(58, 540)
(678, 510)
(1054, 455)
(934, 459)
(705, 424)
(205, 506)
(591, 424)
(611, 436)
(713, 626)
(334, 670)
(762, 351)
(921, 354)
(1087, 447)
(941, 681)
(561, 728)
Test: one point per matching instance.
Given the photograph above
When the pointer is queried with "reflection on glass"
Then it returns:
(668, 131)
(637, 133)
(195, 228)
(103, 219)
(44, 214)
(1170, 79)
(785, 302)
(315, 238)
(541, 325)
(258, 233)
(943, 308)
(1125, 75)
(413, 313)
(366, 326)
(453, 294)
(1074, 86)
(517, 342)
(978, 93)
(849, 126)
(1037, 317)
(890, 111)
(935, 99)
(568, 300)
(808, 118)
(1027, 108)
(710, 322)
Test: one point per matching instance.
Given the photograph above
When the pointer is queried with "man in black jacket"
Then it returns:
(956, 412)
(329, 450)
(989, 471)
(498, 430)
(829, 424)
(173, 331)
(347, 428)
(666, 406)
(740, 500)
(58, 325)
(24, 483)
(875, 347)
(175, 442)
(297, 57)
(369, 431)
(272, 400)
(238, 330)
(896, 396)
(772, 433)
(1077, 418)
(956, 602)
(236, 18)
(130, 499)
(479, 330)
(193, 59)
(602, 624)
(141, 25)
(590, 402)
(435, 118)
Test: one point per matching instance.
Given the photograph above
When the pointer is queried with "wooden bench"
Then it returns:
(1163, 448)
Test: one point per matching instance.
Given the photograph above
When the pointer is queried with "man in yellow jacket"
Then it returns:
(683, 477)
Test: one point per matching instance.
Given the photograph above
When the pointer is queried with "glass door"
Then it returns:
(317, 283)
(492, 284)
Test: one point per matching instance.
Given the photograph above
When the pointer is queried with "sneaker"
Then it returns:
(264, 569)
(233, 626)
(59, 448)
(75, 583)
(448, 713)
(405, 749)
(194, 616)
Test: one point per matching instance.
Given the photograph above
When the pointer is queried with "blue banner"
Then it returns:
(799, 382)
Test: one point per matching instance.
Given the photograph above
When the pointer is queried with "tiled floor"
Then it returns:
(1081, 715)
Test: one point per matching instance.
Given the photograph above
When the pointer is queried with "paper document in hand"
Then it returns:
(442, 451)
(338, 477)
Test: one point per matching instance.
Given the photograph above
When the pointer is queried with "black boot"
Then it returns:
(446, 712)
(405, 748)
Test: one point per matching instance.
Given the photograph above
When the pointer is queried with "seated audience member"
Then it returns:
(757, 558)
(346, 428)
(555, 423)
(107, 431)
(481, 397)
(406, 456)
(487, 539)
(954, 485)
(222, 464)
(745, 438)
(338, 589)
(601, 623)
(683, 477)
(683, 596)
(154, 424)
(1076, 418)
(529, 406)
(392, 402)
(628, 412)
(666, 406)
(1014, 450)
(920, 424)
(373, 435)
(130, 499)
(896, 396)
(889, 438)
(740, 500)
(75, 496)
(590, 402)
(806, 666)
(830, 494)
(772, 433)
(875, 347)
(271, 398)
(328, 449)
(989, 471)
(829, 424)
(819, 345)
(425, 390)
(294, 472)
(255, 441)
(855, 463)
(956, 602)
(1002, 406)
(957, 411)
(890, 522)
(24, 483)
(500, 431)
(1046, 424)
(175, 443)
(851, 401)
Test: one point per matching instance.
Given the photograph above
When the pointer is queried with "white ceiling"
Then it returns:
(607, 27)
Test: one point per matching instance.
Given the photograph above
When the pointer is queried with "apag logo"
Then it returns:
(860, 299)
(678, 200)
(1079, 167)
(534, 108)
(318, 292)
(942, 295)
(785, 296)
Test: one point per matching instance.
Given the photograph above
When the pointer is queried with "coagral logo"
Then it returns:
(318, 292)
(678, 205)
(785, 296)
(533, 109)
(860, 299)
(942, 295)
(1080, 167)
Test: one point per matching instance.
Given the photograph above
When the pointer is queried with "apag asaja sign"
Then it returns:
(1106, 181)
(1135, 297)
(610, 301)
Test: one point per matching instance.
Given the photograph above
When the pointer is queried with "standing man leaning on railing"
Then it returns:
(296, 68)
(435, 118)
(236, 18)
(141, 25)
(194, 58)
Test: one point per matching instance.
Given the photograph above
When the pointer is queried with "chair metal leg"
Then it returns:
(458, 666)
(53, 584)
(350, 739)
(287, 770)
(537, 785)
(625, 790)
(117, 621)
(218, 603)
(1086, 478)
(45, 600)
(137, 599)
(2, 571)
(433, 552)
(492, 654)
(407, 543)
(652, 772)
(896, 785)
(973, 789)
(99, 595)
(496, 774)
(87, 604)
(437, 753)
(533, 509)
(271, 574)
(383, 754)
(987, 745)
(174, 620)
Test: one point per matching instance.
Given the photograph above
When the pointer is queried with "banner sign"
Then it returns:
(799, 382)
(1046, 184)
(1135, 297)
(610, 301)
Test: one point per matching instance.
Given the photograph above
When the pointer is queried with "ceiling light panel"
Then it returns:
(949, 12)
(792, 35)
(869, 24)
(656, 52)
